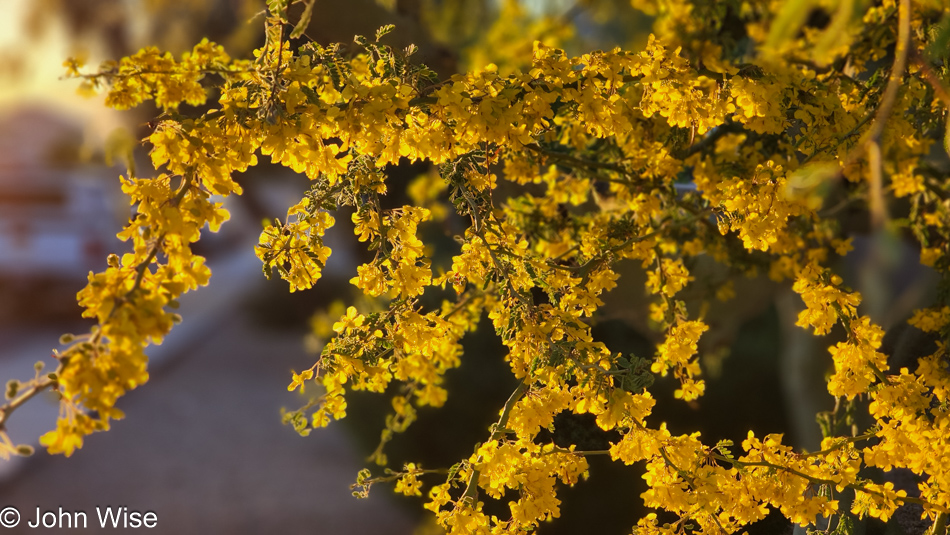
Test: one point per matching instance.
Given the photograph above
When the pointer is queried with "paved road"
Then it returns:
(202, 444)
(202, 447)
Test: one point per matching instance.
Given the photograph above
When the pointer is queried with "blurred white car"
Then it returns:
(57, 219)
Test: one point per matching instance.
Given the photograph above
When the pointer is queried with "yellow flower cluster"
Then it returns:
(558, 172)
(296, 248)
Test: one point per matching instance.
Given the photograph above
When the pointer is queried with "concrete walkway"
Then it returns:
(202, 446)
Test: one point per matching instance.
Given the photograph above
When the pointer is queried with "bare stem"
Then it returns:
(940, 90)
(38, 386)
(872, 141)
(577, 162)
(940, 525)
(839, 445)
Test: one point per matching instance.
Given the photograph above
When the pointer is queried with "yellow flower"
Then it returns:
(930, 320)
(349, 322)
(299, 379)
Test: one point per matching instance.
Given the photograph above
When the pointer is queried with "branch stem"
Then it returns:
(34, 389)
(471, 489)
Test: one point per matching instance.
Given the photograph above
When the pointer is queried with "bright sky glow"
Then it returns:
(31, 72)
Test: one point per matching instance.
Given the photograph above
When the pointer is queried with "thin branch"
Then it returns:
(471, 488)
(577, 162)
(114, 74)
(940, 90)
(142, 267)
(820, 481)
(396, 475)
(689, 481)
(41, 384)
(579, 453)
(38, 386)
(588, 267)
(709, 140)
(876, 203)
(872, 141)
(897, 72)
(839, 445)
(940, 525)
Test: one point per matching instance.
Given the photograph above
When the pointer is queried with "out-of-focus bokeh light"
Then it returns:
(59, 203)
(32, 50)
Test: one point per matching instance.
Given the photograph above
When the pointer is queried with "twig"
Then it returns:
(585, 269)
(41, 384)
(710, 139)
(940, 525)
(872, 141)
(689, 482)
(142, 267)
(580, 453)
(577, 162)
(940, 90)
(471, 489)
(839, 445)
(37, 387)
(820, 481)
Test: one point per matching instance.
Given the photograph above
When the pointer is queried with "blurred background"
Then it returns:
(202, 445)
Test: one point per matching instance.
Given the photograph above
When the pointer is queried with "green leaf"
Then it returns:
(723, 447)
(277, 8)
(939, 47)
(845, 525)
(453, 470)
(304, 21)
(825, 423)
(384, 30)
(638, 376)
(13, 386)
(789, 20)
(848, 12)
(811, 183)
(363, 475)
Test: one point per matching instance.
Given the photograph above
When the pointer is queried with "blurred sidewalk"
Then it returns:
(202, 311)
(202, 444)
